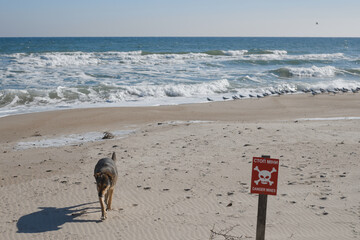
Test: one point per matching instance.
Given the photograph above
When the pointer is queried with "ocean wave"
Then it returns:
(221, 52)
(56, 59)
(314, 71)
(283, 61)
(23, 62)
(267, 52)
(254, 52)
(180, 90)
(336, 83)
(355, 72)
(117, 94)
(104, 93)
(23, 101)
(287, 57)
(298, 87)
(251, 79)
(234, 52)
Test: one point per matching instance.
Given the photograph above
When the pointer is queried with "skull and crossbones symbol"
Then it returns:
(264, 176)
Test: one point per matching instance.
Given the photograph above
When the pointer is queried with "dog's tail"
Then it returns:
(113, 157)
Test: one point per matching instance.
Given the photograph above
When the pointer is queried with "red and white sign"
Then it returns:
(264, 175)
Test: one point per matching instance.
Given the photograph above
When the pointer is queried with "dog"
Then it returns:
(106, 175)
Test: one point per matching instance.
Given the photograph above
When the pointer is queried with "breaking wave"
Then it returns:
(106, 94)
(327, 71)
(19, 61)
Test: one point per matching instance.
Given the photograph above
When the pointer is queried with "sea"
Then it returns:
(45, 74)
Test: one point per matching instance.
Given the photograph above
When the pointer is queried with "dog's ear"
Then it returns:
(113, 156)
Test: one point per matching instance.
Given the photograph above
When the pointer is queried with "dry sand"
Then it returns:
(185, 170)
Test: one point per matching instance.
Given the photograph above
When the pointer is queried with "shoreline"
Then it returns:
(284, 108)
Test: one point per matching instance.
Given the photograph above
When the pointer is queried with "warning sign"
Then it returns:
(264, 175)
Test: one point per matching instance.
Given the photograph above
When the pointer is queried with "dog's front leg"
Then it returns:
(111, 191)
(102, 204)
(107, 197)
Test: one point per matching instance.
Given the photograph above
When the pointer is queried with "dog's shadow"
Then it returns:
(51, 218)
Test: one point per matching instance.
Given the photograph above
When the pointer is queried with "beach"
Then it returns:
(184, 170)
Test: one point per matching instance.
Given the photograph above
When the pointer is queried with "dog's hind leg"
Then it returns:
(111, 191)
(102, 204)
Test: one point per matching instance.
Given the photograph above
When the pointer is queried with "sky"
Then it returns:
(119, 18)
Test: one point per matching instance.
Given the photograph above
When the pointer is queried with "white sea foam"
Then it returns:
(183, 90)
(22, 101)
(252, 79)
(282, 56)
(187, 122)
(56, 59)
(77, 59)
(324, 56)
(314, 71)
(331, 84)
(235, 52)
(55, 80)
(69, 140)
(329, 119)
(279, 52)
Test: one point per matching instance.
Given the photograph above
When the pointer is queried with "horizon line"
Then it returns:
(179, 36)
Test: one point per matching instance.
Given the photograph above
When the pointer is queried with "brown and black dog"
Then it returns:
(106, 175)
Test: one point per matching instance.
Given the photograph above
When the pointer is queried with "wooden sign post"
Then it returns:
(261, 217)
(264, 182)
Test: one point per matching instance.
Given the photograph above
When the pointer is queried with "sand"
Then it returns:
(184, 171)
